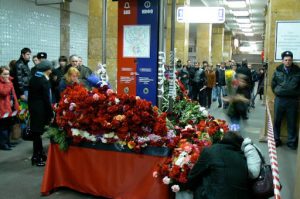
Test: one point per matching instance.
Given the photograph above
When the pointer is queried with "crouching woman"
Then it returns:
(221, 171)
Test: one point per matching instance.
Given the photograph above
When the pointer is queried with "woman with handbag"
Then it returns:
(253, 159)
(221, 171)
(260, 173)
(8, 104)
(39, 104)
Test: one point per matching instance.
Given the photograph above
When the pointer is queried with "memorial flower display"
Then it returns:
(174, 171)
(102, 115)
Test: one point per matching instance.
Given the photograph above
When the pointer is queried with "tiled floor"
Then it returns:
(19, 180)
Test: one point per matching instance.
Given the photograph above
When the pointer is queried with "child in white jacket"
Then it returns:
(252, 156)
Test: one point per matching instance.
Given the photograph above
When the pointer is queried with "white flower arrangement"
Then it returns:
(83, 134)
(203, 111)
(166, 180)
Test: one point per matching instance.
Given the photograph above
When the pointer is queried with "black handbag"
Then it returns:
(262, 186)
(26, 132)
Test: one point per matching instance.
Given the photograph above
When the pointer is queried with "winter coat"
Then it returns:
(244, 70)
(63, 84)
(220, 77)
(220, 173)
(21, 75)
(261, 83)
(211, 78)
(7, 95)
(286, 84)
(39, 102)
(184, 77)
(253, 159)
(58, 73)
(199, 78)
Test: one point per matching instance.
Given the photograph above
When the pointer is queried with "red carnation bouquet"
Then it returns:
(174, 171)
(102, 115)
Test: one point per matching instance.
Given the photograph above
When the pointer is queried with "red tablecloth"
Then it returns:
(103, 173)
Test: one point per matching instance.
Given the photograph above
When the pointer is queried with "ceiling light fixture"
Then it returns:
(236, 4)
(249, 34)
(247, 29)
(242, 20)
(244, 13)
(245, 25)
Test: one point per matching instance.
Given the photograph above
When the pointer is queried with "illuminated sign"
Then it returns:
(201, 14)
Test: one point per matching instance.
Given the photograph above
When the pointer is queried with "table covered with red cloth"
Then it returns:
(110, 174)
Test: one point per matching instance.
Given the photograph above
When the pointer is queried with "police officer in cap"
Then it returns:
(286, 87)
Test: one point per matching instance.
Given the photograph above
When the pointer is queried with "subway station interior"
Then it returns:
(124, 37)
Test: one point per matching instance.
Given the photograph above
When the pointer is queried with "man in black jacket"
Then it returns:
(21, 74)
(221, 84)
(56, 76)
(199, 85)
(244, 70)
(286, 87)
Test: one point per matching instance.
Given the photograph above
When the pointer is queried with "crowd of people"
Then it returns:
(231, 84)
(39, 87)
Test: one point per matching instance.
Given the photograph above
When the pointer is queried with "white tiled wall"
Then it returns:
(79, 35)
(23, 24)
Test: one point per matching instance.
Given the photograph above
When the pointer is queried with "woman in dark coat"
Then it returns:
(39, 103)
(221, 171)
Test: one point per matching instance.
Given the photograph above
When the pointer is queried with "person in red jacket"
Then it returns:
(8, 104)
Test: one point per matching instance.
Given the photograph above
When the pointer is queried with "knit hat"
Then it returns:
(44, 66)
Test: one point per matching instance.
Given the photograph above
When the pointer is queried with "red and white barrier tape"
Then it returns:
(12, 114)
(273, 156)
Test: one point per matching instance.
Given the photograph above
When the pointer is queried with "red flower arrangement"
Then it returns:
(174, 170)
(103, 115)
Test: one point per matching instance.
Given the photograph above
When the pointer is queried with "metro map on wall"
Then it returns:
(136, 41)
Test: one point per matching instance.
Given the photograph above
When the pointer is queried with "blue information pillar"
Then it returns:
(147, 67)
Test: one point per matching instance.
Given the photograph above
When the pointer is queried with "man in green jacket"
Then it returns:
(286, 87)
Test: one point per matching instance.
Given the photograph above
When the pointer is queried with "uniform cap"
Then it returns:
(286, 54)
(42, 55)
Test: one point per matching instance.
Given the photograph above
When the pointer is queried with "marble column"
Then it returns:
(217, 43)
(227, 53)
(95, 37)
(65, 29)
(94, 33)
(203, 47)
(181, 34)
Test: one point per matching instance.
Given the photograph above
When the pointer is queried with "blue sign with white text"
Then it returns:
(147, 19)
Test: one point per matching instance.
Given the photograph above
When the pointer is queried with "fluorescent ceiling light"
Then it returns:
(252, 42)
(247, 29)
(241, 13)
(201, 14)
(236, 4)
(243, 20)
(251, 48)
(245, 25)
(249, 34)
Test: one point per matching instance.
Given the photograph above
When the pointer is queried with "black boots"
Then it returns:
(39, 159)
(5, 147)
